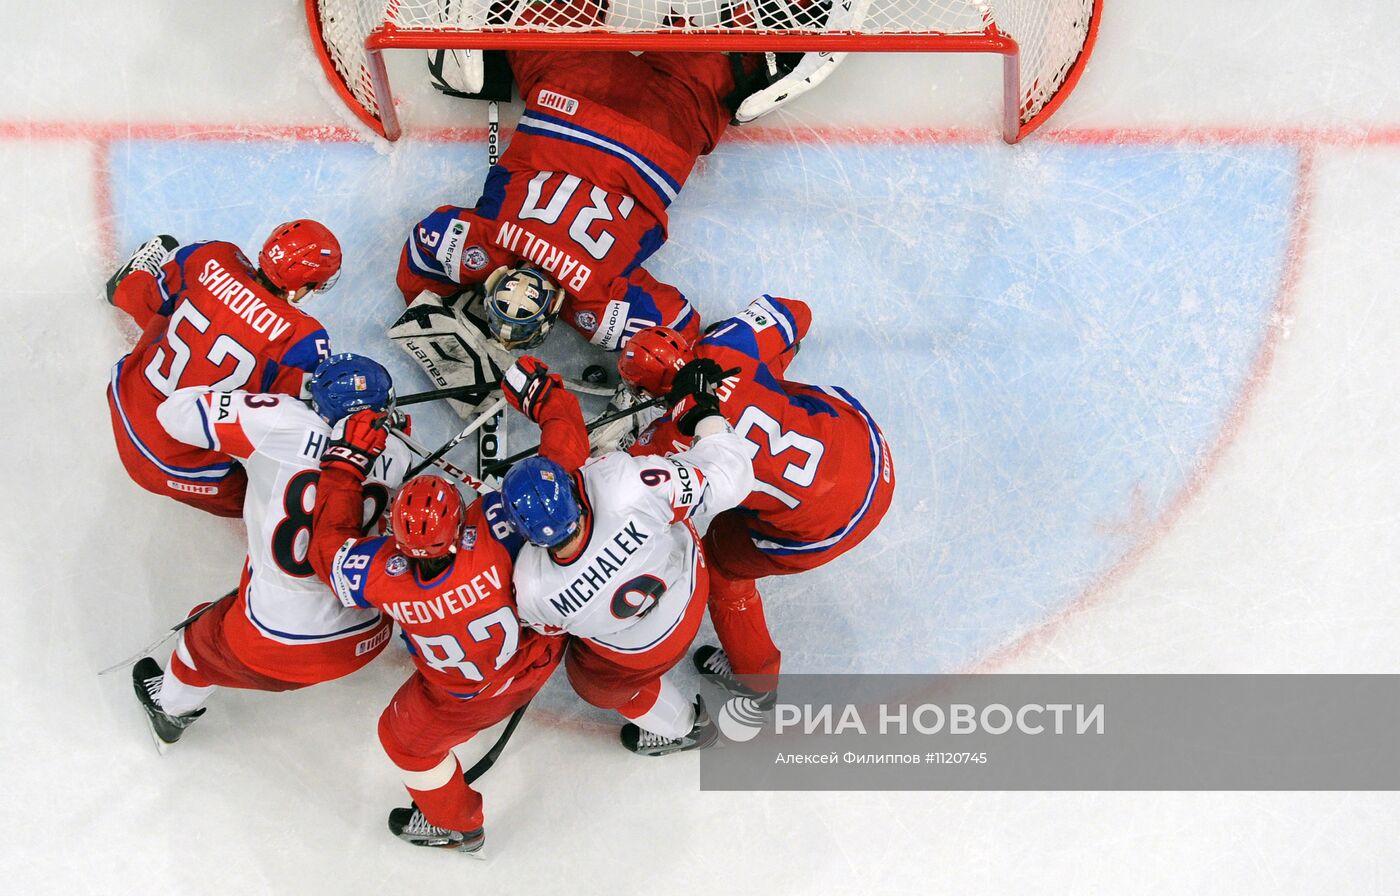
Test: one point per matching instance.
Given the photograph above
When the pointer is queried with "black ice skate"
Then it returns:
(410, 826)
(713, 663)
(148, 258)
(644, 743)
(146, 678)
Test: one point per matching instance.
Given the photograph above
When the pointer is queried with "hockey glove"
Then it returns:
(359, 445)
(692, 397)
(528, 384)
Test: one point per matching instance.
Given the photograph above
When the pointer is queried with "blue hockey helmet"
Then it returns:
(345, 383)
(540, 501)
(522, 304)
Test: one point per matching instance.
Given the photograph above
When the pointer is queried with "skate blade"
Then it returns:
(161, 746)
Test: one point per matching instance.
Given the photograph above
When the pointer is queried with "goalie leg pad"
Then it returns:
(451, 345)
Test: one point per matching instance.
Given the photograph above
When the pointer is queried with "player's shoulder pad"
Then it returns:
(498, 524)
(766, 312)
(350, 569)
(313, 347)
(266, 423)
(187, 251)
(445, 244)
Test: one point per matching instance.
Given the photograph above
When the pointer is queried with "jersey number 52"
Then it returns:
(224, 348)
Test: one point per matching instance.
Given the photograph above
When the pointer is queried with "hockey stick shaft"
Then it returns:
(502, 465)
(497, 406)
(446, 466)
(483, 765)
(478, 390)
(174, 630)
(475, 391)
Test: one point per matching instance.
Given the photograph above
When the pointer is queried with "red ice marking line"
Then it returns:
(1300, 221)
(1317, 136)
(102, 203)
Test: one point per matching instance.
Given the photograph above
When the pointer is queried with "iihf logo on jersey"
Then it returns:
(586, 320)
(396, 565)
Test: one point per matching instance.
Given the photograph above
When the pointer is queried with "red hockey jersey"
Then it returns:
(582, 193)
(218, 327)
(818, 456)
(460, 627)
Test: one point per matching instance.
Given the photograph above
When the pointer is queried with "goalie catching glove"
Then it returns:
(361, 441)
(786, 76)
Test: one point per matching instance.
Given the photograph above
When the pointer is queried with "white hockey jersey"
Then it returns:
(279, 440)
(630, 584)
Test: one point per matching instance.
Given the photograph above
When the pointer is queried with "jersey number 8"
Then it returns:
(291, 538)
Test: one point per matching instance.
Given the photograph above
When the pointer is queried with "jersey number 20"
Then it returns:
(598, 210)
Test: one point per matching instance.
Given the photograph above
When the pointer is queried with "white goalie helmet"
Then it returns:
(522, 304)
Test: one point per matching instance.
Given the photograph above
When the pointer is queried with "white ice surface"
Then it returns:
(1283, 560)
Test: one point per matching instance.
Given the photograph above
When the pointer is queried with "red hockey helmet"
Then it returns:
(427, 517)
(650, 359)
(301, 253)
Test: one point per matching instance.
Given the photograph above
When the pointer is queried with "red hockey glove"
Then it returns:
(692, 396)
(527, 385)
(360, 443)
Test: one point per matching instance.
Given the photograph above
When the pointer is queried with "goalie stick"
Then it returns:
(496, 407)
(491, 439)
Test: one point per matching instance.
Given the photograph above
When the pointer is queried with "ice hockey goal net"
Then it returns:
(1044, 43)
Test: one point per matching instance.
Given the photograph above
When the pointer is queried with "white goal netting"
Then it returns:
(1052, 35)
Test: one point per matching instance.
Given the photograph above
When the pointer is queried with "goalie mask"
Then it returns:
(521, 306)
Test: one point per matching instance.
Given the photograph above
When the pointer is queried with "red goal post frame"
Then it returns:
(991, 40)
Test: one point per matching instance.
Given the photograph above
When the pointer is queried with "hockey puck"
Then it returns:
(595, 375)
